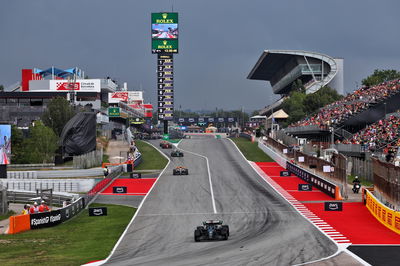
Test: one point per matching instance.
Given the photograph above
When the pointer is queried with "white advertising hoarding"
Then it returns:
(81, 85)
(125, 96)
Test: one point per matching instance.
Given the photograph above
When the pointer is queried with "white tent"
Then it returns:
(280, 114)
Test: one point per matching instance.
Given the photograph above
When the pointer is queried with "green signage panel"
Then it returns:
(164, 18)
(114, 112)
(164, 33)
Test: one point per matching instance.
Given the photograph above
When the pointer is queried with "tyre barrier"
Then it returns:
(21, 223)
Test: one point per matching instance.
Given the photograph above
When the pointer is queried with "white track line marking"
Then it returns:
(101, 262)
(209, 179)
(341, 244)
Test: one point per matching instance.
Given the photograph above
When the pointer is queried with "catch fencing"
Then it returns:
(387, 182)
(88, 160)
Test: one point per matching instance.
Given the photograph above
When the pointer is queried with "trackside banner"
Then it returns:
(385, 215)
(45, 219)
(49, 219)
(322, 184)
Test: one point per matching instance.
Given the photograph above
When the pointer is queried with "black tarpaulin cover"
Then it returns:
(79, 134)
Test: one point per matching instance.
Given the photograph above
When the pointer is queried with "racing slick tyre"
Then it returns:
(226, 228)
(174, 172)
(197, 235)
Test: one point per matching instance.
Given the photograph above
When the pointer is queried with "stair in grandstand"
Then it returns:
(373, 113)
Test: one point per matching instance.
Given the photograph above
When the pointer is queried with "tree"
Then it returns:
(380, 76)
(58, 113)
(322, 97)
(297, 85)
(17, 148)
(41, 145)
(1, 87)
(294, 106)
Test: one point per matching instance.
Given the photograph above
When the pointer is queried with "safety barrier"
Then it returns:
(247, 136)
(25, 196)
(70, 185)
(325, 186)
(386, 216)
(22, 174)
(20, 223)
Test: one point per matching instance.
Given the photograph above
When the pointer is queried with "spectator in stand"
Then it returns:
(43, 207)
(34, 209)
(356, 102)
(26, 209)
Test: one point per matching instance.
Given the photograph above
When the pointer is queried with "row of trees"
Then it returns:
(299, 104)
(40, 143)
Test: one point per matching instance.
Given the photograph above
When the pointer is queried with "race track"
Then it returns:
(264, 228)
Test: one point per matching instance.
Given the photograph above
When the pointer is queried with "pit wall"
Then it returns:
(274, 155)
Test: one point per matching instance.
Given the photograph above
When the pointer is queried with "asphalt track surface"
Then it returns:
(264, 228)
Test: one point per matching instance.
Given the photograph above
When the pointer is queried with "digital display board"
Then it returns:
(5, 144)
(164, 32)
(165, 86)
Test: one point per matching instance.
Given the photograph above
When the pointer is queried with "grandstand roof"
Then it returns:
(282, 67)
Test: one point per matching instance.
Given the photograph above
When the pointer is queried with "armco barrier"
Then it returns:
(325, 186)
(20, 223)
(386, 216)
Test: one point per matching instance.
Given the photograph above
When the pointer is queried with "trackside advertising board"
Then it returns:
(5, 144)
(80, 85)
(385, 215)
(52, 218)
(164, 33)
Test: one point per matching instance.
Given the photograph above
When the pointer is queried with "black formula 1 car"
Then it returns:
(176, 153)
(166, 145)
(211, 230)
(180, 171)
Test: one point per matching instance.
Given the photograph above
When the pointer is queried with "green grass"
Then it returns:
(251, 151)
(75, 242)
(105, 158)
(363, 181)
(152, 158)
(7, 215)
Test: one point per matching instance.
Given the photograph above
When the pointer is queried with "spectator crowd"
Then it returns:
(353, 103)
(384, 134)
(35, 208)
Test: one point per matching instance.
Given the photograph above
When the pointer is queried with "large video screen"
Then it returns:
(5, 144)
(164, 31)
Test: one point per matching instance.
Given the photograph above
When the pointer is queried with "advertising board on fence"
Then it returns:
(322, 184)
(52, 218)
(385, 215)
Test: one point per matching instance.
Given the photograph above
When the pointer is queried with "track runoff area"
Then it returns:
(270, 221)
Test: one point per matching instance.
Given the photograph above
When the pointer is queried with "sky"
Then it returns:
(220, 41)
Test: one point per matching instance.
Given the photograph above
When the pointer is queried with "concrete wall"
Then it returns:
(337, 82)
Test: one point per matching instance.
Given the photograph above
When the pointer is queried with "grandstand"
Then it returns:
(283, 67)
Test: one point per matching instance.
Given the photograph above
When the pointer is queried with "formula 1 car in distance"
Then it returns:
(176, 153)
(165, 145)
(180, 171)
(211, 230)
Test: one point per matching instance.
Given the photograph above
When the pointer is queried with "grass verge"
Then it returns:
(363, 181)
(251, 151)
(6, 216)
(152, 158)
(83, 239)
